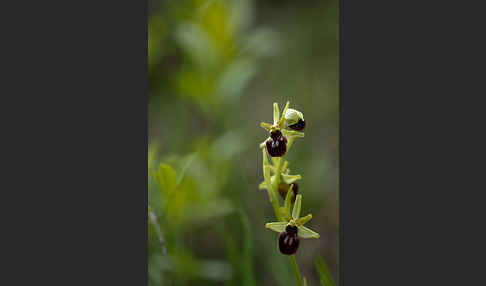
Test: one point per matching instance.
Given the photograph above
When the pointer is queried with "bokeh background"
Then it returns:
(215, 68)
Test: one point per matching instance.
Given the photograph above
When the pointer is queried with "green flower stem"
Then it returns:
(281, 160)
(279, 171)
(273, 189)
(275, 204)
(295, 269)
(276, 208)
(272, 195)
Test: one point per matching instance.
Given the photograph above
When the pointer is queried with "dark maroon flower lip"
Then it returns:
(299, 126)
(277, 145)
(276, 134)
(291, 229)
(288, 240)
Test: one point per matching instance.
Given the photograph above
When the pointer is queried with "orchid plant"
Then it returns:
(277, 179)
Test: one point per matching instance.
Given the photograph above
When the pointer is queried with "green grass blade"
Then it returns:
(323, 272)
(247, 263)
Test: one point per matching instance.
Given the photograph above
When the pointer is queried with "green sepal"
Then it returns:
(289, 179)
(285, 213)
(281, 122)
(266, 126)
(276, 113)
(305, 232)
(296, 210)
(288, 199)
(272, 179)
(276, 226)
(292, 134)
(303, 220)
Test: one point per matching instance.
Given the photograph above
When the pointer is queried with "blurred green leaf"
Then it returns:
(157, 29)
(262, 42)
(166, 177)
(200, 212)
(185, 264)
(228, 145)
(241, 14)
(152, 152)
(197, 45)
(184, 169)
(235, 78)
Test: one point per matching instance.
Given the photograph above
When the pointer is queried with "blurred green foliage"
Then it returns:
(215, 68)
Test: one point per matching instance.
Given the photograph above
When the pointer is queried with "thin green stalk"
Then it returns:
(275, 204)
(281, 160)
(278, 171)
(276, 208)
(295, 269)
(272, 196)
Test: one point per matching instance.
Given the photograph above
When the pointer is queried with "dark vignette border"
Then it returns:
(408, 132)
(78, 118)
